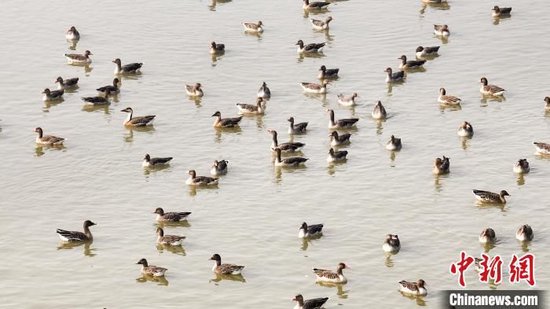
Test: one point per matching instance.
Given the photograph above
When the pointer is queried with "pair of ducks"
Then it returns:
(218, 268)
(523, 233)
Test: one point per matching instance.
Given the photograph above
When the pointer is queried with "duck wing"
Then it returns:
(230, 122)
(164, 160)
(142, 120)
(72, 235)
(229, 269)
(314, 303)
(314, 228)
(131, 67)
(347, 122)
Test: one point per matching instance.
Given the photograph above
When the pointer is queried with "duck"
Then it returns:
(411, 64)
(114, 88)
(465, 130)
(250, 109)
(194, 90)
(171, 216)
(487, 89)
(318, 24)
(315, 5)
(170, 240)
(490, 197)
(427, 51)
(547, 105)
(253, 27)
(413, 288)
(442, 30)
(345, 123)
(347, 100)
(297, 128)
(226, 122)
(394, 77)
(195, 180)
(72, 34)
(139, 121)
(525, 233)
(290, 161)
(100, 100)
(336, 155)
(285, 147)
(379, 111)
(151, 270)
(309, 48)
(225, 269)
(216, 48)
(501, 12)
(264, 92)
(441, 166)
(391, 244)
(154, 162)
(131, 68)
(52, 95)
(339, 139)
(394, 144)
(79, 59)
(48, 140)
(219, 168)
(329, 276)
(542, 148)
(522, 167)
(447, 99)
(314, 303)
(315, 88)
(328, 73)
(309, 231)
(487, 236)
(69, 83)
(74, 236)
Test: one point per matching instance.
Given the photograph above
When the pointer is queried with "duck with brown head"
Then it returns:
(100, 100)
(216, 48)
(226, 122)
(427, 51)
(315, 5)
(253, 27)
(52, 95)
(442, 30)
(69, 83)
(310, 231)
(168, 240)
(391, 244)
(138, 121)
(336, 156)
(491, 197)
(346, 123)
(410, 64)
(225, 269)
(522, 166)
(379, 111)
(194, 90)
(525, 233)
(319, 24)
(171, 216)
(347, 100)
(487, 236)
(264, 92)
(490, 90)
(131, 68)
(219, 168)
(71, 236)
(394, 77)
(285, 147)
(441, 166)
(252, 109)
(48, 140)
(413, 288)
(310, 48)
(72, 34)
(313, 303)
(465, 130)
(155, 162)
(79, 59)
(329, 276)
(195, 180)
(151, 270)
(289, 161)
(296, 128)
(394, 144)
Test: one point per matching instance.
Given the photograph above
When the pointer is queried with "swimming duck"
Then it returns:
(487, 236)
(219, 168)
(154, 162)
(97, 100)
(72, 34)
(411, 64)
(139, 121)
(194, 90)
(307, 231)
(171, 240)
(447, 99)
(264, 92)
(298, 128)
(316, 5)
(253, 27)
(114, 88)
(522, 167)
(151, 270)
(52, 95)
(394, 77)
(328, 276)
(490, 197)
(525, 233)
(394, 144)
(225, 269)
(290, 161)
(347, 100)
(328, 73)
(217, 48)
(465, 130)
(336, 155)
(542, 148)
(427, 51)
(68, 83)
(171, 216)
(250, 109)
(79, 59)
(547, 100)
(441, 166)
(309, 48)
(442, 30)
(379, 112)
(487, 89)
(195, 180)
(345, 123)
(225, 122)
(315, 88)
(339, 140)
(501, 12)
(48, 140)
(314, 303)
(130, 68)
(70, 236)
(391, 244)
(285, 147)
(320, 24)
(414, 288)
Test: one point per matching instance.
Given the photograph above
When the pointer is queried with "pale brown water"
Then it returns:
(253, 217)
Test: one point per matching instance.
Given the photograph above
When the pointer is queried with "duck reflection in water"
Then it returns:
(218, 278)
(160, 280)
(339, 288)
(71, 245)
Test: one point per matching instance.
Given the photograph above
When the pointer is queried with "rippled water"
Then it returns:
(252, 218)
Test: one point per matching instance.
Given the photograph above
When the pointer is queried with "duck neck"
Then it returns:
(40, 133)
(88, 232)
(129, 117)
(275, 141)
(331, 115)
(279, 156)
(339, 271)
